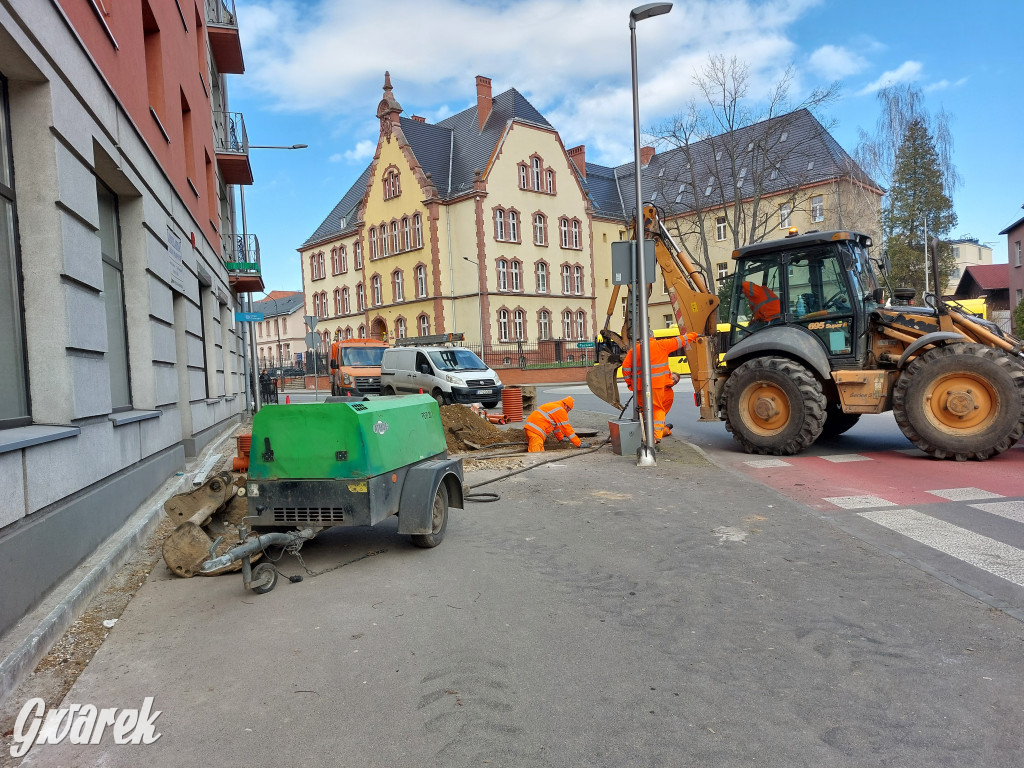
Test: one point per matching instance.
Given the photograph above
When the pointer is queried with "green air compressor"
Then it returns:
(316, 466)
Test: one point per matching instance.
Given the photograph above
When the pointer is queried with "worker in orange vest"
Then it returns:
(763, 301)
(662, 379)
(548, 418)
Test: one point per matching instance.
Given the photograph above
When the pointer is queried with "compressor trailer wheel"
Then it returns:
(962, 401)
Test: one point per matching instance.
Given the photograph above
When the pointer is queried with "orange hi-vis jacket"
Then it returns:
(553, 417)
(764, 301)
(661, 376)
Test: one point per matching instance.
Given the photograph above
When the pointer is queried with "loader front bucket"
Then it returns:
(602, 382)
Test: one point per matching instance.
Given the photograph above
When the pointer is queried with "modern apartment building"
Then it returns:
(967, 252)
(119, 352)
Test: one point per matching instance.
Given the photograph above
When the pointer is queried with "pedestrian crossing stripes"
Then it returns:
(980, 551)
(964, 494)
(1011, 510)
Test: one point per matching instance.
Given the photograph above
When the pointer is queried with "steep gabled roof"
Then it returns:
(279, 303)
(343, 217)
(989, 277)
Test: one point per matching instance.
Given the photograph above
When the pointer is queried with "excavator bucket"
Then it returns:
(602, 382)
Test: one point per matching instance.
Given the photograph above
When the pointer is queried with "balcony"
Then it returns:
(222, 29)
(231, 145)
(242, 261)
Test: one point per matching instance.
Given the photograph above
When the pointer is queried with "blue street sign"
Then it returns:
(248, 317)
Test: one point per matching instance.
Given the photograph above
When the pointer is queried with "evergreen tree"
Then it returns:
(917, 194)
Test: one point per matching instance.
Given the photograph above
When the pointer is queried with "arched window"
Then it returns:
(563, 228)
(523, 177)
(567, 324)
(518, 325)
(362, 331)
(502, 325)
(407, 240)
(499, 224)
(513, 226)
(544, 324)
(424, 325)
(400, 330)
(581, 325)
(360, 302)
(346, 305)
(359, 256)
(515, 269)
(337, 301)
(399, 288)
(321, 264)
(377, 297)
(566, 279)
(391, 183)
(343, 259)
(536, 173)
(502, 266)
(348, 332)
(335, 261)
(575, 234)
(539, 227)
(421, 281)
(577, 280)
(550, 182)
(395, 248)
(373, 245)
(417, 225)
(542, 277)
(383, 236)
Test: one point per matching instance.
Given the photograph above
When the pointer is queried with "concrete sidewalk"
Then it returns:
(596, 615)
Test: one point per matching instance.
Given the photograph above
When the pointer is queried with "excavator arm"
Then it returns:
(695, 309)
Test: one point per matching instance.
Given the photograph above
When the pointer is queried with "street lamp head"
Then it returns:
(646, 11)
(275, 146)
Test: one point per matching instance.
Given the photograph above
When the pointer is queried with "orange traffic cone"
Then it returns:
(287, 399)
(421, 390)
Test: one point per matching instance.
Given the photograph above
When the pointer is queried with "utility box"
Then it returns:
(625, 436)
(623, 262)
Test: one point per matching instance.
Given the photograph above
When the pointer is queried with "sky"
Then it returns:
(314, 71)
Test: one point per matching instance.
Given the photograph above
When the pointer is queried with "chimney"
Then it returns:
(483, 99)
(579, 156)
(646, 153)
(419, 119)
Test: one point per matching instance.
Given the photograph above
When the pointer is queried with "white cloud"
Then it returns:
(834, 61)
(335, 158)
(907, 72)
(363, 151)
(943, 84)
(570, 58)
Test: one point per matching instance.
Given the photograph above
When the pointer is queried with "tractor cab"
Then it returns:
(820, 284)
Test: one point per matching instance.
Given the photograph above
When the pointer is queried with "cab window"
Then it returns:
(819, 298)
(756, 292)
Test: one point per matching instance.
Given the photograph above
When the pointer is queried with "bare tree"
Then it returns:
(727, 152)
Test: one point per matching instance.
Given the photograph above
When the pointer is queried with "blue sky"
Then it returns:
(314, 70)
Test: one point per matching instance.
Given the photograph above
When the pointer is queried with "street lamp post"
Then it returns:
(645, 456)
(249, 349)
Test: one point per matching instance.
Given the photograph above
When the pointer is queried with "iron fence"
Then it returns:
(550, 353)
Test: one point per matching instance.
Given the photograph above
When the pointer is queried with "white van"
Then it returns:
(450, 374)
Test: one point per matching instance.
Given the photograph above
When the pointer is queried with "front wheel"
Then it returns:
(491, 403)
(438, 521)
(388, 391)
(773, 405)
(961, 401)
(440, 397)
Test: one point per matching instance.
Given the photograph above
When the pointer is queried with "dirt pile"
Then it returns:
(462, 426)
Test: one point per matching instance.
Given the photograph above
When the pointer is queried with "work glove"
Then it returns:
(584, 445)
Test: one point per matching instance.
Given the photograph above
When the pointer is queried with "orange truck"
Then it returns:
(355, 366)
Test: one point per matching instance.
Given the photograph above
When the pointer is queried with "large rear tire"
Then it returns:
(837, 421)
(773, 406)
(961, 401)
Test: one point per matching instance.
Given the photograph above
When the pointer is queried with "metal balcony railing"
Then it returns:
(229, 133)
(241, 249)
(221, 12)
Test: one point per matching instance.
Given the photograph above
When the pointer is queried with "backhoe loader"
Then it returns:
(811, 347)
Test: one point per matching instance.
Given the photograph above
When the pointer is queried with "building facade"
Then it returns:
(486, 224)
(119, 353)
(967, 252)
(280, 336)
(1015, 258)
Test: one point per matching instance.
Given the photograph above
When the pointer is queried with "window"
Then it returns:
(343, 259)
(14, 407)
(378, 299)
(550, 178)
(113, 298)
(577, 280)
(391, 182)
(563, 227)
(373, 245)
(337, 301)
(566, 279)
(513, 226)
(359, 256)
(417, 226)
(818, 208)
(542, 277)
(424, 325)
(536, 173)
(395, 247)
(499, 224)
(514, 269)
(399, 288)
(567, 324)
(575, 234)
(321, 266)
(346, 305)
(721, 228)
(667, 320)
(383, 234)
(581, 325)
(517, 325)
(1016, 260)
(335, 261)
(1020, 295)
(523, 183)
(362, 331)
(348, 332)
(956, 252)
(421, 281)
(400, 329)
(544, 324)
(502, 325)
(406, 234)
(785, 211)
(723, 270)
(539, 226)
(360, 301)
(502, 266)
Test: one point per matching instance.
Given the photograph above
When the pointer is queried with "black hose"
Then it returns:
(469, 496)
